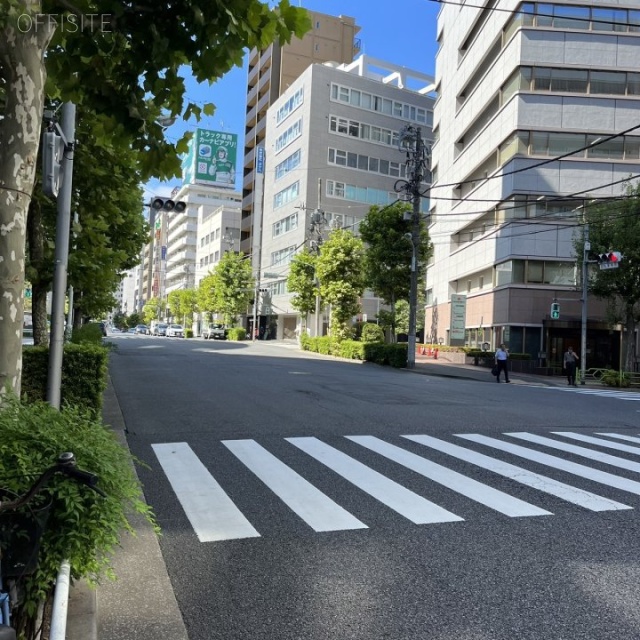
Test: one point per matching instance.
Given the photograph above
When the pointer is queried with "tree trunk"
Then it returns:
(40, 284)
(628, 351)
(22, 67)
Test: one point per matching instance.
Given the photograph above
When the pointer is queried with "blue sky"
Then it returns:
(402, 33)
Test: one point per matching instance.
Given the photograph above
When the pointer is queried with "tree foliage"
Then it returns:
(183, 303)
(340, 270)
(302, 282)
(615, 226)
(126, 68)
(389, 251)
(153, 309)
(228, 289)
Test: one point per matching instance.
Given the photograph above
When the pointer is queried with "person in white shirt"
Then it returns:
(502, 356)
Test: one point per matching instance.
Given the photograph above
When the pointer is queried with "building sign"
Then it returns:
(163, 253)
(215, 157)
(458, 319)
(260, 160)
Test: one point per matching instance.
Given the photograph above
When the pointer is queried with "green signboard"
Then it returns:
(215, 157)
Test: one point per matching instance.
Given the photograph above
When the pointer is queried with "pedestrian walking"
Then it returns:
(570, 363)
(502, 355)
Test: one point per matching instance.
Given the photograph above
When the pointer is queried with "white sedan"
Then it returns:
(175, 331)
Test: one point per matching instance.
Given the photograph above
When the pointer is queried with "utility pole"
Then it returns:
(412, 143)
(583, 324)
(63, 223)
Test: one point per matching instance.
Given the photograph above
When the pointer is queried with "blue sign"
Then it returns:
(260, 160)
(164, 253)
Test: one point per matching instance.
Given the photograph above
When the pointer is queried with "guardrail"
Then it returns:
(597, 373)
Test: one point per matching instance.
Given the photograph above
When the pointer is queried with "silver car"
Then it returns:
(160, 329)
(175, 331)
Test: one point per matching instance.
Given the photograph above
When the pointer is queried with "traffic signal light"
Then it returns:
(611, 257)
(166, 204)
(555, 311)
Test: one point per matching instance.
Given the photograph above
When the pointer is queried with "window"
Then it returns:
(288, 164)
(608, 82)
(282, 256)
(372, 102)
(286, 138)
(286, 195)
(284, 225)
(290, 105)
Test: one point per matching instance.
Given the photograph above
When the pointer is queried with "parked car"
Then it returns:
(142, 328)
(175, 331)
(215, 332)
(132, 330)
(160, 329)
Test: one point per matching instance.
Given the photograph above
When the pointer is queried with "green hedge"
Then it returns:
(188, 333)
(84, 375)
(91, 333)
(394, 355)
(237, 333)
(372, 333)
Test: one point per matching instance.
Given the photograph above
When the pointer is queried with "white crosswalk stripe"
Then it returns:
(473, 489)
(314, 507)
(539, 482)
(211, 512)
(215, 517)
(412, 506)
(633, 396)
(558, 463)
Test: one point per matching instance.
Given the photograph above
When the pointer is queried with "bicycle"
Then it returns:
(19, 549)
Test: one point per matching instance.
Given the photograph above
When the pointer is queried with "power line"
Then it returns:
(543, 15)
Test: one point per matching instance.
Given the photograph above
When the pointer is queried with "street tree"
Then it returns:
(153, 309)
(229, 288)
(302, 283)
(615, 226)
(109, 233)
(387, 237)
(124, 61)
(340, 270)
(183, 304)
(133, 320)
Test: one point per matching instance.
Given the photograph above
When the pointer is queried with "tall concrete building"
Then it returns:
(520, 84)
(169, 260)
(271, 72)
(332, 147)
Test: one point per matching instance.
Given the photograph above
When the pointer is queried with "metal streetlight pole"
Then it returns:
(583, 327)
(54, 380)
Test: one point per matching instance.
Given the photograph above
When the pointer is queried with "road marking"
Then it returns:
(492, 498)
(620, 437)
(631, 486)
(314, 507)
(605, 458)
(536, 481)
(412, 506)
(211, 512)
(618, 395)
(599, 441)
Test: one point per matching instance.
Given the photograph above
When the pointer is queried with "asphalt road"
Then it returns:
(293, 507)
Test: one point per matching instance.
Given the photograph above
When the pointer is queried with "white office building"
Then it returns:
(180, 262)
(518, 85)
(332, 146)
